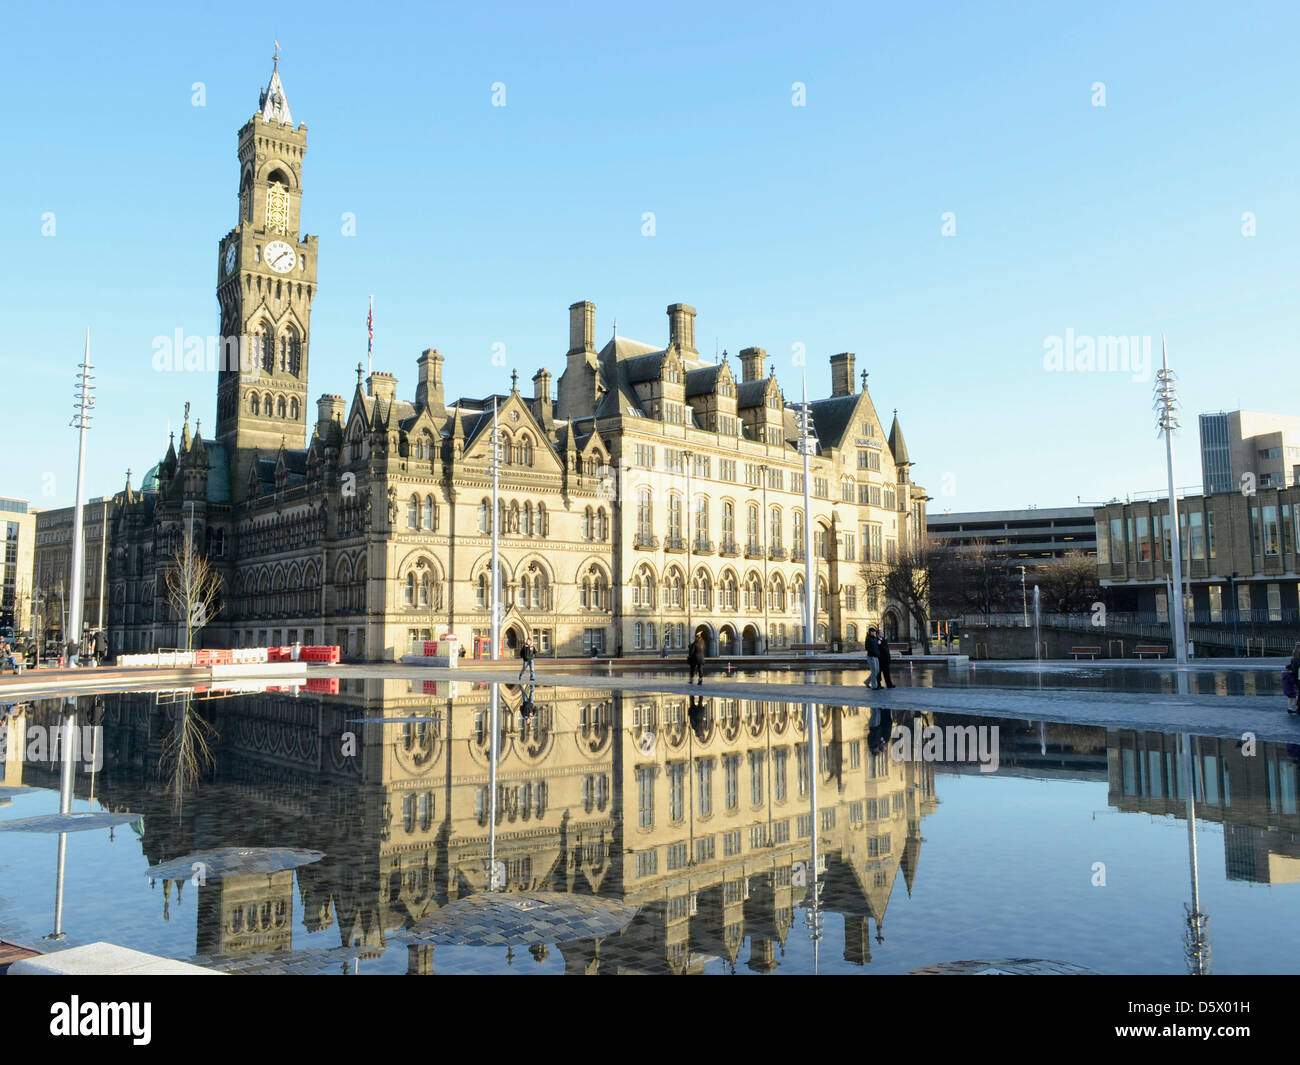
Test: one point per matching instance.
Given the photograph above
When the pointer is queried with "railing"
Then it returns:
(777, 554)
(674, 543)
(728, 549)
(646, 542)
(753, 549)
(702, 547)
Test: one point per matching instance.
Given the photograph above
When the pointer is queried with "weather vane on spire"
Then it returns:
(276, 58)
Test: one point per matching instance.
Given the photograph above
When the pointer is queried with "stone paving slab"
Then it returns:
(105, 959)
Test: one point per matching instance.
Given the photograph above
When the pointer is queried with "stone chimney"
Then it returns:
(842, 374)
(681, 326)
(751, 364)
(542, 397)
(582, 326)
(382, 386)
(329, 409)
(428, 391)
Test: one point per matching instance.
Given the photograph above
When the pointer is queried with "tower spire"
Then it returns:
(273, 103)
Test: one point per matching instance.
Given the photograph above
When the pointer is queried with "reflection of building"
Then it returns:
(706, 829)
(1256, 799)
(18, 525)
(1241, 556)
(659, 494)
(1242, 444)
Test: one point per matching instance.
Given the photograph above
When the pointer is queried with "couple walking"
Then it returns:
(878, 660)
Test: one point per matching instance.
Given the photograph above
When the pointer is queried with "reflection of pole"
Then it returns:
(814, 773)
(1197, 944)
(65, 806)
(494, 728)
(809, 589)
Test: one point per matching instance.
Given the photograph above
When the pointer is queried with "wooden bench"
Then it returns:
(1144, 649)
(1091, 652)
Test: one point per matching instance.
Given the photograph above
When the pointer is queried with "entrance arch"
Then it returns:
(749, 640)
(891, 625)
(514, 638)
(727, 640)
(710, 641)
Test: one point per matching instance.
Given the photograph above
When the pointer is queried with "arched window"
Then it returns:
(822, 593)
(644, 515)
(528, 519)
(751, 528)
(267, 345)
(701, 590)
(673, 589)
(534, 589)
(776, 594)
(409, 597)
(280, 407)
(293, 343)
(674, 516)
(254, 404)
(701, 519)
(728, 521)
(485, 516)
(293, 409)
(602, 524)
(797, 592)
(588, 524)
(729, 589)
(526, 452)
(798, 530)
(543, 522)
(595, 590)
(753, 592)
(413, 513)
(426, 588)
(430, 513)
(643, 587)
(774, 527)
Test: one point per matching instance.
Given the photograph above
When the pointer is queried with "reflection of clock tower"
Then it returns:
(266, 279)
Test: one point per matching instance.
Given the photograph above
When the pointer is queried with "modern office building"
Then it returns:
(1241, 556)
(1020, 535)
(1238, 446)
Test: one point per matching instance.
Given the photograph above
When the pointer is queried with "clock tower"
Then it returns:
(266, 280)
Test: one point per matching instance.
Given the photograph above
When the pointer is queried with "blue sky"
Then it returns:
(818, 225)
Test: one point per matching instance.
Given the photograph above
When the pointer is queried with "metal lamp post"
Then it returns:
(1166, 407)
(80, 422)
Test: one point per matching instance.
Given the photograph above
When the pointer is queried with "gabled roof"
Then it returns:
(703, 379)
(832, 418)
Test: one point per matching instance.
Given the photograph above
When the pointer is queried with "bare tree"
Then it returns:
(906, 581)
(1070, 583)
(193, 589)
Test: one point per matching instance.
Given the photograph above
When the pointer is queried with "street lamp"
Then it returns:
(1024, 601)
(1166, 407)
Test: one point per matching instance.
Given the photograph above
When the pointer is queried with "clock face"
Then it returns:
(232, 253)
(280, 257)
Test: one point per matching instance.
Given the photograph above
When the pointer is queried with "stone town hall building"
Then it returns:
(655, 495)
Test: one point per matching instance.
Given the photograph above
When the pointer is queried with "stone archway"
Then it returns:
(710, 641)
(891, 625)
(514, 638)
(750, 641)
(727, 642)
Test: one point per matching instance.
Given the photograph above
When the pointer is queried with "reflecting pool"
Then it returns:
(358, 827)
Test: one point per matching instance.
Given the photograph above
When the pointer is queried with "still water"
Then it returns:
(365, 812)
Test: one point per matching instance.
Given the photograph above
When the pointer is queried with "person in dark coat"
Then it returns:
(884, 661)
(698, 713)
(873, 659)
(33, 655)
(528, 652)
(101, 647)
(695, 658)
(1289, 687)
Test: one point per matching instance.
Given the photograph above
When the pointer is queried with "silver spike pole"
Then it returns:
(806, 443)
(494, 714)
(81, 422)
(1166, 406)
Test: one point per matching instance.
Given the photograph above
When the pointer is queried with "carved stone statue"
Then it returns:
(392, 506)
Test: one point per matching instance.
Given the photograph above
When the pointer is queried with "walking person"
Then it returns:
(528, 652)
(664, 652)
(695, 658)
(101, 646)
(873, 659)
(884, 661)
(1289, 687)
